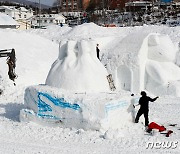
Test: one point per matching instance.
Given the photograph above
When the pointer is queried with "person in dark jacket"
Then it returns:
(97, 50)
(144, 107)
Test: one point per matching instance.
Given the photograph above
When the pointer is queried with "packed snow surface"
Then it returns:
(36, 51)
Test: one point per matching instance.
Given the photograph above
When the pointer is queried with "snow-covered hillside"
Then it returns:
(36, 51)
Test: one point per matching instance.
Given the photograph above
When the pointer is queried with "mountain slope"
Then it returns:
(26, 2)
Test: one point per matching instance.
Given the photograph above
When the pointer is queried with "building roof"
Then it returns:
(138, 3)
(7, 20)
(10, 8)
(23, 9)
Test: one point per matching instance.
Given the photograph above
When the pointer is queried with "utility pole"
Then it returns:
(103, 11)
(39, 13)
(58, 6)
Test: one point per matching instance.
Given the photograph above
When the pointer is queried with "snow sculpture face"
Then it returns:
(161, 48)
(77, 68)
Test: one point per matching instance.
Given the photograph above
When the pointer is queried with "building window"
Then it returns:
(51, 21)
(39, 21)
(45, 21)
(19, 15)
(25, 16)
(2, 10)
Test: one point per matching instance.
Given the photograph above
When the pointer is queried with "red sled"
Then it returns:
(154, 125)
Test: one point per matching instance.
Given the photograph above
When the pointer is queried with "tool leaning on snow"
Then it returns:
(11, 61)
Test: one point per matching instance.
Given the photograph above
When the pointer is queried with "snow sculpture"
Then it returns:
(163, 74)
(75, 93)
(78, 69)
(147, 63)
(161, 48)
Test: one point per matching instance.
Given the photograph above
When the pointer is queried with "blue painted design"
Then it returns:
(56, 101)
(115, 106)
(44, 108)
(48, 116)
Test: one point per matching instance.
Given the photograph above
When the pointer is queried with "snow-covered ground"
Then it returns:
(36, 50)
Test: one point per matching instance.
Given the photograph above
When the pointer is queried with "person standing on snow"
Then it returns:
(97, 50)
(131, 108)
(144, 107)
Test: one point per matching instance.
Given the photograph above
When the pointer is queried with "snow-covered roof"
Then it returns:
(23, 9)
(10, 8)
(59, 16)
(7, 20)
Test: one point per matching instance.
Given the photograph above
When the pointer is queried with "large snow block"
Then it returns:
(161, 48)
(162, 72)
(78, 69)
(130, 64)
(171, 88)
(51, 106)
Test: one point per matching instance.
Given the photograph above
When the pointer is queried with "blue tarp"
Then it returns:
(166, 1)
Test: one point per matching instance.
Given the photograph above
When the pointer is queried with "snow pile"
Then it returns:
(102, 35)
(32, 51)
(87, 30)
(52, 32)
(7, 20)
(78, 69)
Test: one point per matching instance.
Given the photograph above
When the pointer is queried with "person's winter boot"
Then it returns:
(149, 130)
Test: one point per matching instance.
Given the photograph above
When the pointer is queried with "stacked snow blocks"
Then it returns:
(47, 105)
